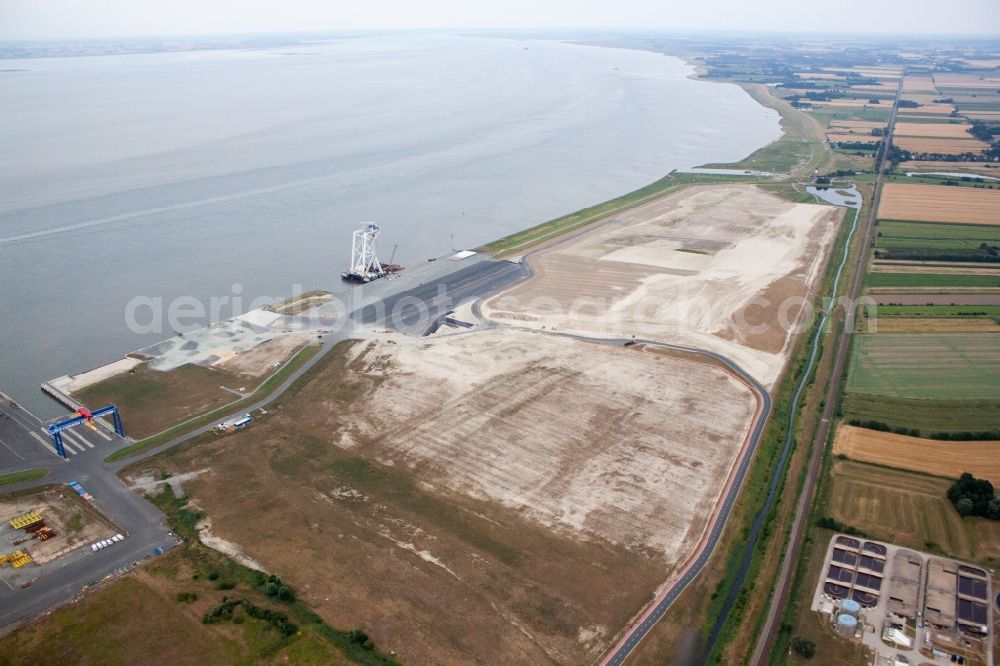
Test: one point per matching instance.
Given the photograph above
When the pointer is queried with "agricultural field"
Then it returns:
(534, 488)
(858, 137)
(934, 130)
(942, 146)
(897, 324)
(707, 266)
(983, 168)
(939, 203)
(927, 416)
(943, 367)
(966, 82)
(930, 109)
(908, 509)
(863, 126)
(917, 454)
(918, 84)
(878, 279)
(892, 308)
(896, 235)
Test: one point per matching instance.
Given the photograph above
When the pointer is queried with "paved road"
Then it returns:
(765, 641)
(25, 446)
(419, 309)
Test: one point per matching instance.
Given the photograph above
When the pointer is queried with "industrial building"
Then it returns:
(904, 605)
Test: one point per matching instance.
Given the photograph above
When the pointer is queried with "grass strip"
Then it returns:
(24, 475)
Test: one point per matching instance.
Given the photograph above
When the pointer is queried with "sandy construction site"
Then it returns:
(494, 491)
(724, 268)
(627, 445)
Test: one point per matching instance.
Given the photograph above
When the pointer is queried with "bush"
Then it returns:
(225, 585)
(187, 597)
(803, 647)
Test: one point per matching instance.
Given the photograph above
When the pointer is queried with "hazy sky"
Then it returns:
(41, 19)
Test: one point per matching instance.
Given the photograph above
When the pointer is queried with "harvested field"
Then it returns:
(938, 325)
(887, 88)
(873, 72)
(986, 168)
(982, 115)
(934, 130)
(918, 84)
(942, 146)
(908, 509)
(967, 81)
(939, 203)
(917, 454)
(947, 367)
(722, 268)
(497, 492)
(855, 125)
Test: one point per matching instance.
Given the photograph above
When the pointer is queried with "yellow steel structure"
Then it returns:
(25, 520)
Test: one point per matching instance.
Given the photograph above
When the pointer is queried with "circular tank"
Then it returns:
(850, 607)
(846, 624)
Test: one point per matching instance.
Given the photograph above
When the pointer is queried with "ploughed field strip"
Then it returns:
(946, 367)
(723, 268)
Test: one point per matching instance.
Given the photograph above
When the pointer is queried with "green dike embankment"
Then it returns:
(262, 392)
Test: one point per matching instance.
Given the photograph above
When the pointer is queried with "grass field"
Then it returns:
(917, 454)
(929, 235)
(20, 477)
(151, 401)
(939, 203)
(202, 419)
(937, 325)
(931, 280)
(926, 415)
(910, 510)
(944, 367)
(938, 311)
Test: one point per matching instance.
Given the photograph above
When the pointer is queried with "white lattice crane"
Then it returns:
(365, 265)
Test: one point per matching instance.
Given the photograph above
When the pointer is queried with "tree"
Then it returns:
(964, 506)
(803, 647)
(993, 510)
